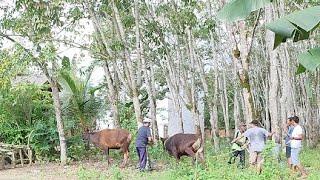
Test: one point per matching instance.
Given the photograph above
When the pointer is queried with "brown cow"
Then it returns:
(111, 139)
(184, 145)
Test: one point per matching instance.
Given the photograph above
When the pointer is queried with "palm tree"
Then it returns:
(81, 102)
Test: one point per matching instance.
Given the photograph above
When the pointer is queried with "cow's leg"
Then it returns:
(176, 155)
(106, 151)
(190, 152)
(125, 158)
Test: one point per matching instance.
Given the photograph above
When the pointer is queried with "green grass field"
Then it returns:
(216, 167)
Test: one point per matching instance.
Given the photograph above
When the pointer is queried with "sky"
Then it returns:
(83, 57)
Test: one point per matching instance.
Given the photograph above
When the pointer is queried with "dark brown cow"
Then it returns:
(184, 145)
(111, 139)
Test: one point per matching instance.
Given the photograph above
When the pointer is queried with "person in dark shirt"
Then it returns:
(143, 138)
(288, 129)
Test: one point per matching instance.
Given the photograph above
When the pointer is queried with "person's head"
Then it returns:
(290, 121)
(295, 120)
(242, 127)
(255, 123)
(146, 122)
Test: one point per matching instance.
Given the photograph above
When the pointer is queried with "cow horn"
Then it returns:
(197, 144)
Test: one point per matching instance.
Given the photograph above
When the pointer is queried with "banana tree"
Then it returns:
(298, 25)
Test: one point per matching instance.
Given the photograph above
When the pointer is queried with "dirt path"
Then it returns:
(44, 171)
(49, 171)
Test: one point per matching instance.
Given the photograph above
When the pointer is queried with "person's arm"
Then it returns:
(267, 134)
(270, 134)
(150, 140)
(245, 144)
(236, 139)
(299, 136)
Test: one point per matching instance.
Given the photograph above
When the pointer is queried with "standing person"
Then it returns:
(295, 143)
(143, 138)
(288, 129)
(238, 147)
(257, 137)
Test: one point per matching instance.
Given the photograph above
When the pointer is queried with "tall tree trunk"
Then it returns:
(225, 103)
(193, 100)
(57, 107)
(236, 106)
(274, 80)
(128, 65)
(101, 40)
(153, 106)
(112, 95)
(214, 127)
(236, 113)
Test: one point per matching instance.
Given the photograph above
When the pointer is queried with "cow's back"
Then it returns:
(179, 142)
(114, 138)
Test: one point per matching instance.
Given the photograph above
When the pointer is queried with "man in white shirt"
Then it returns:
(295, 143)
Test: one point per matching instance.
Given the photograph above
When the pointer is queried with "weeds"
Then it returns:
(215, 167)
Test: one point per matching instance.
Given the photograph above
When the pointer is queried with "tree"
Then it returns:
(81, 101)
(239, 10)
(35, 23)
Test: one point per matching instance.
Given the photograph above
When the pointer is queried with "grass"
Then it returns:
(216, 167)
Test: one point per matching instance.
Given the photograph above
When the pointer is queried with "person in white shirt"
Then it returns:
(295, 143)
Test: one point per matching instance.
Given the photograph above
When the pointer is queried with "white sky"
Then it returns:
(83, 57)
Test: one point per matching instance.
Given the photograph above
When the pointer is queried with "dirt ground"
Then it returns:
(48, 171)
(92, 168)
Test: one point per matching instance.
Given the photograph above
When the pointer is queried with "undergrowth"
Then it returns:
(215, 167)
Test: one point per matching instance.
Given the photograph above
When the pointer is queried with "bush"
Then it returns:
(27, 117)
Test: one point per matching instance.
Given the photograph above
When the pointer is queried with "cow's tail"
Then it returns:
(129, 138)
(127, 144)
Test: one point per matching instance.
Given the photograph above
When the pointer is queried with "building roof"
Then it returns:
(38, 79)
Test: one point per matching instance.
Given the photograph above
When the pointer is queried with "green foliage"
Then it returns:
(181, 16)
(81, 103)
(76, 148)
(11, 64)
(310, 160)
(310, 60)
(216, 166)
(272, 168)
(27, 117)
(240, 9)
(127, 118)
(297, 25)
(35, 20)
(86, 174)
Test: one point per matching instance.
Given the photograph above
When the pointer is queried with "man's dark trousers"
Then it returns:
(142, 153)
(235, 154)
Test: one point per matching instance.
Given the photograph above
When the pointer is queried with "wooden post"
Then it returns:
(21, 156)
(13, 159)
(30, 156)
(1, 160)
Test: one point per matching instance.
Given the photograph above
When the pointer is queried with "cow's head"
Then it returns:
(200, 155)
